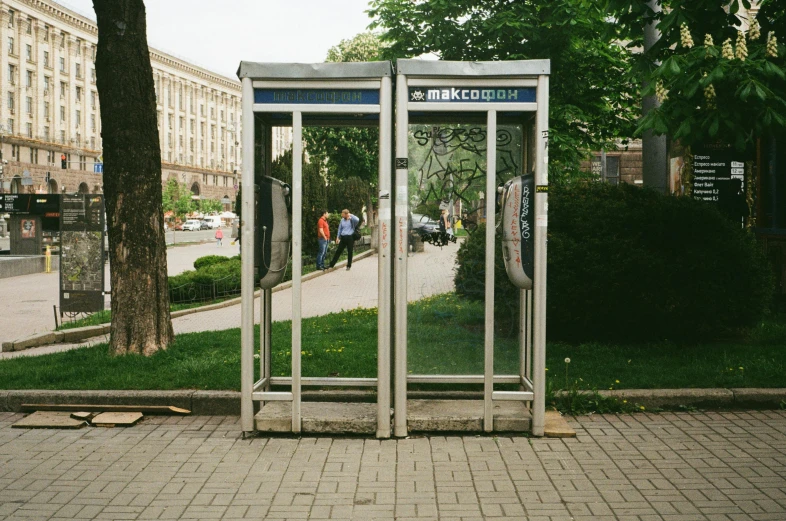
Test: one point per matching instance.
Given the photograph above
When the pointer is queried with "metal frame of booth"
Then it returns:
(298, 101)
(460, 82)
(358, 94)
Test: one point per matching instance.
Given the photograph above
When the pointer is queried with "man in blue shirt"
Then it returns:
(344, 239)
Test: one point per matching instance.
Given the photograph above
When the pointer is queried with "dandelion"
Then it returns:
(567, 360)
(742, 47)
(755, 30)
(685, 37)
(624, 401)
(660, 92)
(641, 407)
(772, 45)
(727, 51)
(256, 356)
(616, 381)
(742, 368)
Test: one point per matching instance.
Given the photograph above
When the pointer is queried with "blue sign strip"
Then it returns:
(316, 96)
(473, 94)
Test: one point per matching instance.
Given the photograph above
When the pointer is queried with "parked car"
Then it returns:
(423, 223)
(214, 221)
(192, 225)
(204, 225)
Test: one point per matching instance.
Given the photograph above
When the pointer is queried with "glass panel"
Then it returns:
(448, 206)
(339, 306)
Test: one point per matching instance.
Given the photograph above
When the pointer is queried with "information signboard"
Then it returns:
(82, 253)
(714, 167)
(45, 205)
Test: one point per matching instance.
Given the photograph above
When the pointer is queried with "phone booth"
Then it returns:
(301, 95)
(471, 144)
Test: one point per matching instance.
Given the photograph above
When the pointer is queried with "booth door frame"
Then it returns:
(260, 390)
(533, 312)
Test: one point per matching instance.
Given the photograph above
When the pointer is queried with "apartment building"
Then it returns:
(49, 109)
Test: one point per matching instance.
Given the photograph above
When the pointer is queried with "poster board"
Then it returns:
(82, 253)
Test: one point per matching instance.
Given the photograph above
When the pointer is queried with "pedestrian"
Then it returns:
(345, 239)
(444, 223)
(323, 239)
(219, 237)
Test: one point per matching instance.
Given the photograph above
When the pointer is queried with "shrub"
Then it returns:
(209, 260)
(626, 264)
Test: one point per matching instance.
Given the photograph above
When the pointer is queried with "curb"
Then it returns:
(81, 334)
(227, 403)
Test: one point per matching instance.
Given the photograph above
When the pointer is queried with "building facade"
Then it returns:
(49, 109)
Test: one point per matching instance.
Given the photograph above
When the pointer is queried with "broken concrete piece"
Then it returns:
(117, 419)
(49, 420)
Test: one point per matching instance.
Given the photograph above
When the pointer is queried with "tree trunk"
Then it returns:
(132, 180)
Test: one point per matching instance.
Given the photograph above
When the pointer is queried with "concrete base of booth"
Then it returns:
(465, 416)
(319, 418)
(423, 416)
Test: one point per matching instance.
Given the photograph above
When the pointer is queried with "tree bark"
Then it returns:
(141, 321)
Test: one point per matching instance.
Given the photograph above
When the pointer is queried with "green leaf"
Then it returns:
(714, 126)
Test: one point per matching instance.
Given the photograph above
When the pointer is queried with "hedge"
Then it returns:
(629, 264)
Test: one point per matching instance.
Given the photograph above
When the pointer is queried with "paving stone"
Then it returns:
(671, 466)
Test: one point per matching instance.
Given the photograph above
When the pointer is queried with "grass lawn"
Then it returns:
(446, 337)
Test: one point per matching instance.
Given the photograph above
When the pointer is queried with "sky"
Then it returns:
(217, 35)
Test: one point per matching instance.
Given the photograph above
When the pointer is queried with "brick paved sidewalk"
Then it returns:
(671, 466)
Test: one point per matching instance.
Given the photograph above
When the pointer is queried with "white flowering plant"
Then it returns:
(735, 91)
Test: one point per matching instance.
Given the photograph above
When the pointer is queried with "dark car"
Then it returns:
(204, 225)
(424, 224)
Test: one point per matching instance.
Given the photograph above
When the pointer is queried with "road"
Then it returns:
(26, 306)
(171, 237)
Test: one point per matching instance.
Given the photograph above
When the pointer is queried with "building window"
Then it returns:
(10, 124)
(78, 47)
(62, 64)
(62, 136)
(29, 52)
(29, 79)
(12, 74)
(46, 133)
(34, 155)
(46, 110)
(11, 102)
(93, 143)
(93, 122)
(93, 75)
(29, 105)
(78, 117)
(10, 45)
(46, 33)
(62, 114)
(79, 94)
(15, 152)
(46, 58)
(29, 27)
(79, 70)
(93, 99)
(29, 130)
(11, 18)
(62, 40)
(63, 89)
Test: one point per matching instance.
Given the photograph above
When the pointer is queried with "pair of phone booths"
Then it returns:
(491, 95)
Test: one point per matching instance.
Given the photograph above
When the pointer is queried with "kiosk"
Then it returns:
(475, 99)
(328, 94)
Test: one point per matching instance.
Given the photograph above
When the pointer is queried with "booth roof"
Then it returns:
(469, 69)
(315, 71)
